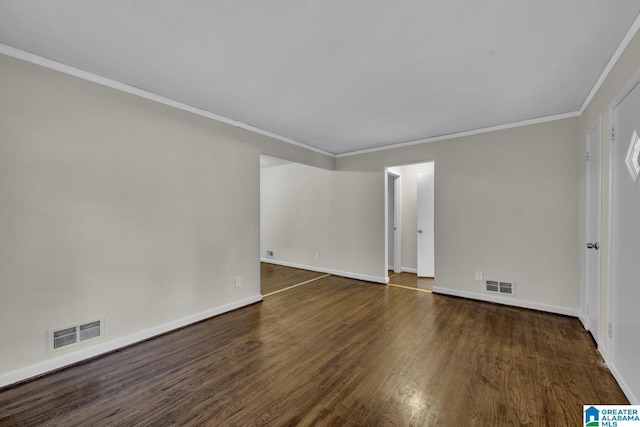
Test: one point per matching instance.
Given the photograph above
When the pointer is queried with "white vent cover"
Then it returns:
(64, 337)
(75, 334)
(499, 287)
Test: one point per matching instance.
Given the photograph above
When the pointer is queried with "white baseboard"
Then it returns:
(106, 347)
(625, 389)
(604, 352)
(348, 274)
(506, 301)
(402, 269)
(583, 319)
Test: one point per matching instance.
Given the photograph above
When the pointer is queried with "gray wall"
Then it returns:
(307, 210)
(506, 203)
(116, 206)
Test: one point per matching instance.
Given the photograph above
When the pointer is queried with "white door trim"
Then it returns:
(397, 253)
(590, 307)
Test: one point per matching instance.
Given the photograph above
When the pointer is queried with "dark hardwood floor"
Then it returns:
(277, 277)
(336, 352)
(411, 280)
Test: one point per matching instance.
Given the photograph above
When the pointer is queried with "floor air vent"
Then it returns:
(70, 335)
(499, 287)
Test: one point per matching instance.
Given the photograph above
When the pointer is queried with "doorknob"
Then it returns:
(593, 246)
(419, 231)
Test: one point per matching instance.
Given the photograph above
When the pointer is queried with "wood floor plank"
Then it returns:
(275, 277)
(336, 351)
(411, 280)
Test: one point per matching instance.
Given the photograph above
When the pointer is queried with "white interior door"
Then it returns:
(391, 221)
(425, 211)
(592, 255)
(397, 226)
(625, 240)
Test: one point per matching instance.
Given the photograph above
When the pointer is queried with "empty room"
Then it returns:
(319, 212)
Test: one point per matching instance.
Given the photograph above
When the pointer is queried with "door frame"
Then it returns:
(397, 216)
(593, 135)
(607, 321)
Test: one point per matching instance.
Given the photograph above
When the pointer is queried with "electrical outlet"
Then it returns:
(238, 281)
(270, 254)
(479, 275)
(317, 255)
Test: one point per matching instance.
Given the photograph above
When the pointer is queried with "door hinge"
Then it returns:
(613, 134)
(610, 330)
(587, 156)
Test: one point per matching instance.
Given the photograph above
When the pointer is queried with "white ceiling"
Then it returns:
(333, 74)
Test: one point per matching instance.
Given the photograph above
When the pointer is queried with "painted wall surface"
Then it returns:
(306, 210)
(409, 182)
(625, 70)
(116, 206)
(506, 203)
(295, 203)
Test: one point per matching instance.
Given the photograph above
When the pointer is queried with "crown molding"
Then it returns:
(616, 55)
(465, 133)
(85, 75)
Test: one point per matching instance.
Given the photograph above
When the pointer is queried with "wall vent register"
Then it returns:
(499, 287)
(72, 335)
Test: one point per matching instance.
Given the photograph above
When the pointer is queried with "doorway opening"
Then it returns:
(284, 234)
(409, 225)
